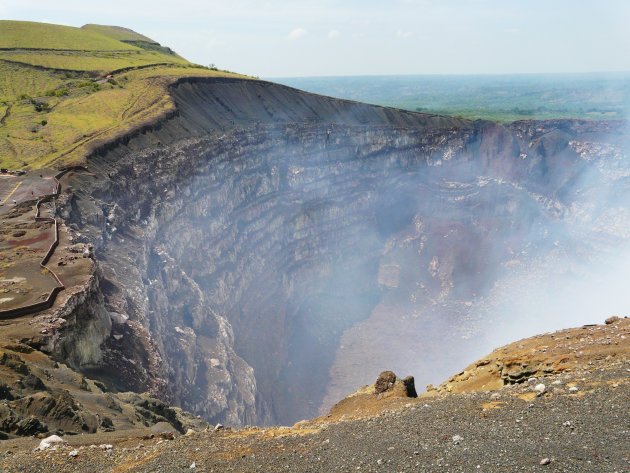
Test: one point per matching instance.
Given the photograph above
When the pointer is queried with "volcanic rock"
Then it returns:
(30, 426)
(410, 386)
(259, 243)
(384, 382)
(33, 383)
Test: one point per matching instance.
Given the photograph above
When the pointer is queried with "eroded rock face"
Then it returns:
(274, 259)
(286, 268)
(39, 396)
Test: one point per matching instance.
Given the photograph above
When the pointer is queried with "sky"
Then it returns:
(292, 38)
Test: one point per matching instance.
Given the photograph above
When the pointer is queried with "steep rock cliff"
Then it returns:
(263, 249)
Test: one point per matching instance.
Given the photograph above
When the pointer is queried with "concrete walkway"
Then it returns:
(25, 240)
(24, 188)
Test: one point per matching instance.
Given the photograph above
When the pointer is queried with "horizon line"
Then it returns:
(458, 74)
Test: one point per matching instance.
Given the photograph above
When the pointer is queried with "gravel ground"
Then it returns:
(583, 430)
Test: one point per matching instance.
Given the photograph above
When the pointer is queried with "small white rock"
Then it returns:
(218, 427)
(190, 432)
(457, 439)
(545, 461)
(574, 389)
(73, 453)
(48, 441)
(540, 389)
(192, 466)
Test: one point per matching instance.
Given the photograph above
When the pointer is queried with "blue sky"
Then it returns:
(279, 38)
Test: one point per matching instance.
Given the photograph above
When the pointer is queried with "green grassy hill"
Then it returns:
(65, 90)
(93, 48)
(30, 35)
(118, 33)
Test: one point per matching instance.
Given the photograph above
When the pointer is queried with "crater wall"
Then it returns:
(264, 251)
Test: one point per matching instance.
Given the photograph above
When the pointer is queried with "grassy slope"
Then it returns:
(29, 35)
(85, 62)
(118, 33)
(53, 117)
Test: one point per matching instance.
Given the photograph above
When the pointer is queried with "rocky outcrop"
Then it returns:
(384, 382)
(84, 325)
(569, 353)
(38, 396)
(388, 382)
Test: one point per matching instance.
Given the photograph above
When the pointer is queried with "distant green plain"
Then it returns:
(502, 98)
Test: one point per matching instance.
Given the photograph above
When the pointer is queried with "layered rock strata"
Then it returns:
(244, 239)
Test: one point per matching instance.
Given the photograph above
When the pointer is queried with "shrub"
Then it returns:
(40, 106)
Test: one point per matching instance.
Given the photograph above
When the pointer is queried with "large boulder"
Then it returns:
(385, 382)
(30, 426)
(410, 386)
(388, 382)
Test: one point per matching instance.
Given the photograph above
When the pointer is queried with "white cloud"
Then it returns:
(297, 33)
(404, 34)
(333, 34)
